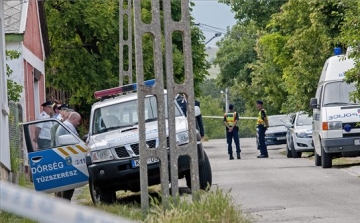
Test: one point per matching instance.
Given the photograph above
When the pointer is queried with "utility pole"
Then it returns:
(226, 99)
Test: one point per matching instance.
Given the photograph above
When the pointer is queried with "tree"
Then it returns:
(258, 11)
(312, 29)
(14, 89)
(84, 40)
(350, 36)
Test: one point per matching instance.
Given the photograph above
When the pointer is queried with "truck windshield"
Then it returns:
(124, 114)
(338, 93)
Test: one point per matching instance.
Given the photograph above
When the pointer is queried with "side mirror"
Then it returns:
(67, 139)
(314, 103)
(197, 111)
(288, 125)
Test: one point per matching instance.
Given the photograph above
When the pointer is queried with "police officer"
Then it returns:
(262, 125)
(181, 100)
(231, 119)
(42, 130)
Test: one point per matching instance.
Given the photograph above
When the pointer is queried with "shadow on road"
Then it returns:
(340, 166)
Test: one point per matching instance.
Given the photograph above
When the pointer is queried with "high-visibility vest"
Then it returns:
(261, 121)
(230, 118)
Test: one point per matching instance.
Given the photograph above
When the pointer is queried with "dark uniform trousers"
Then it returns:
(229, 136)
(263, 148)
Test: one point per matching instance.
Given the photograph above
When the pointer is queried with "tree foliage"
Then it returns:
(84, 39)
(350, 36)
(13, 89)
(281, 60)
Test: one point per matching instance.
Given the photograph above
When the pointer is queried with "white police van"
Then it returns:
(109, 161)
(336, 118)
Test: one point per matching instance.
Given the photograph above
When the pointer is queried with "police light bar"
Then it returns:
(121, 89)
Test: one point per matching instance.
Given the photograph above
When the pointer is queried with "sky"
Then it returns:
(212, 13)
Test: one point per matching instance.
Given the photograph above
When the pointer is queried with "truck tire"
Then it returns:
(98, 195)
(288, 151)
(326, 159)
(294, 153)
(317, 159)
(205, 175)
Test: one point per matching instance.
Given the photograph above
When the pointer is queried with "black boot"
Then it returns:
(231, 157)
(238, 156)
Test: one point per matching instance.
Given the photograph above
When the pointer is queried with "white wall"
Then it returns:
(4, 124)
(17, 65)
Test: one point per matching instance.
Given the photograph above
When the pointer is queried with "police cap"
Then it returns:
(47, 103)
(259, 102)
(63, 107)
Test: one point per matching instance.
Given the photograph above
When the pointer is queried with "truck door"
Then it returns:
(317, 123)
(56, 156)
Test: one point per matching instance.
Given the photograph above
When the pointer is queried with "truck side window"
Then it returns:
(319, 94)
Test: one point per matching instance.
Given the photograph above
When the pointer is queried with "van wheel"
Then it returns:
(101, 195)
(205, 175)
(294, 153)
(288, 151)
(326, 159)
(317, 159)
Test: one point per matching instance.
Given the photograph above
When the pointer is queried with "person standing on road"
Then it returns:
(262, 125)
(231, 119)
(42, 130)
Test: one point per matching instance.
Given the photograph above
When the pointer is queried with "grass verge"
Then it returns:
(212, 206)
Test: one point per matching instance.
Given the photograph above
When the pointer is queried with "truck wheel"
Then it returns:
(326, 159)
(317, 159)
(205, 175)
(288, 151)
(101, 195)
(294, 153)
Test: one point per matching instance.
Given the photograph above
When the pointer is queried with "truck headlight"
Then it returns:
(332, 125)
(301, 135)
(101, 155)
(182, 138)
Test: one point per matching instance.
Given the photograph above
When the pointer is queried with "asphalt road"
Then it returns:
(279, 189)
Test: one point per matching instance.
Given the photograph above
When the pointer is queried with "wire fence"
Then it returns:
(17, 152)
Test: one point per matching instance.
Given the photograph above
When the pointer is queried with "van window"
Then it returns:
(337, 93)
(318, 94)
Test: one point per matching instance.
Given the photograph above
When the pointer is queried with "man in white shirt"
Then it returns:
(42, 130)
(72, 122)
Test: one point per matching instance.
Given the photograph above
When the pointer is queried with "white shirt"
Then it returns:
(59, 117)
(71, 127)
(44, 126)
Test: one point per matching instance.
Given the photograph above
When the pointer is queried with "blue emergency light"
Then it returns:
(337, 51)
(121, 89)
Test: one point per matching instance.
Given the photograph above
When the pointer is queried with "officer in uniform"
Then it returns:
(231, 119)
(42, 130)
(262, 125)
(181, 100)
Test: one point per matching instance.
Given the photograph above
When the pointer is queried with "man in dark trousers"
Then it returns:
(262, 125)
(181, 100)
(231, 119)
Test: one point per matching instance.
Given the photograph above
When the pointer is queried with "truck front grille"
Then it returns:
(121, 152)
(151, 144)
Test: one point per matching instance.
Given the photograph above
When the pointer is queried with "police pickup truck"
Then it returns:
(109, 161)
